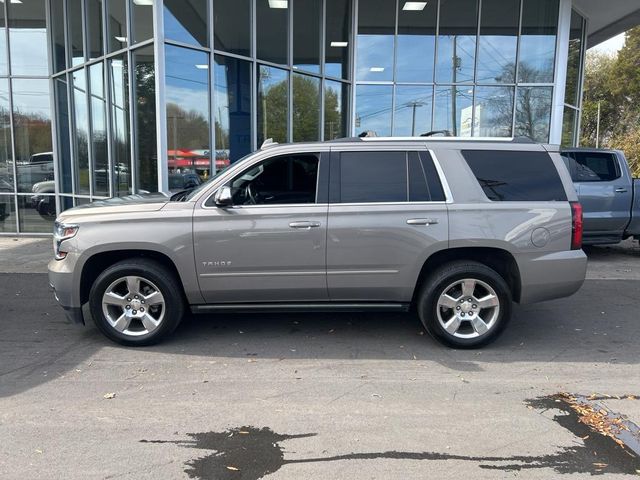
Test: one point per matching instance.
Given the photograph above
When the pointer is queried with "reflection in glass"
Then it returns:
(233, 110)
(187, 93)
(94, 28)
(36, 213)
(81, 130)
(116, 25)
(493, 114)
(6, 157)
(142, 20)
(7, 212)
(186, 21)
(306, 35)
(376, 29)
(232, 20)
(119, 82)
(273, 99)
(62, 132)
(453, 110)
(271, 30)
(145, 118)
(338, 28)
(28, 38)
(74, 25)
(306, 108)
(412, 111)
(457, 41)
(498, 41)
(32, 130)
(538, 41)
(373, 109)
(100, 163)
(336, 96)
(58, 47)
(572, 91)
(533, 113)
(569, 127)
(416, 43)
(66, 203)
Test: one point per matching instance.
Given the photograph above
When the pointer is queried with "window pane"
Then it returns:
(6, 157)
(273, 98)
(457, 41)
(121, 173)
(81, 123)
(28, 38)
(306, 108)
(7, 212)
(418, 187)
(272, 22)
(232, 21)
(569, 127)
(572, 92)
(595, 166)
(498, 41)
(100, 164)
(336, 95)
(94, 28)
(62, 131)
(142, 21)
(493, 112)
(74, 24)
(187, 93)
(373, 177)
(453, 110)
(516, 176)
(413, 110)
(533, 113)
(538, 41)
(57, 38)
(3, 45)
(186, 21)
(116, 25)
(233, 110)
(376, 29)
(145, 115)
(337, 37)
(416, 43)
(433, 179)
(32, 127)
(373, 109)
(31, 220)
(278, 181)
(306, 35)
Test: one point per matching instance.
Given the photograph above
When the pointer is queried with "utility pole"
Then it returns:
(454, 106)
(414, 104)
(598, 127)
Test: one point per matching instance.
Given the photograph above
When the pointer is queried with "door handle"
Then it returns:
(422, 221)
(621, 190)
(304, 225)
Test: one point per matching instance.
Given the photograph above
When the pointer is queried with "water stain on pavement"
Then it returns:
(610, 444)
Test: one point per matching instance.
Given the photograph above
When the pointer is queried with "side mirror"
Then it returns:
(223, 197)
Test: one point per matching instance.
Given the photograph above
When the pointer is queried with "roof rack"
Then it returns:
(516, 140)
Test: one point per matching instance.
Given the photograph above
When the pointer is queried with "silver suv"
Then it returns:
(454, 229)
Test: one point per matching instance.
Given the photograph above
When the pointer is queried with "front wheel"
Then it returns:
(465, 304)
(136, 302)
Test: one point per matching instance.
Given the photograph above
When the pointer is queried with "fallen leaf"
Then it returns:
(109, 396)
(232, 468)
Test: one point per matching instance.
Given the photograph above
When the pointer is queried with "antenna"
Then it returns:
(268, 143)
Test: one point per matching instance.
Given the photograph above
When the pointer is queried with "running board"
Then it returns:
(301, 307)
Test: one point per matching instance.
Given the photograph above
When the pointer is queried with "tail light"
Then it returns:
(577, 226)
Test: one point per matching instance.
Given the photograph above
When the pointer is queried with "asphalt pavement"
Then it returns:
(322, 396)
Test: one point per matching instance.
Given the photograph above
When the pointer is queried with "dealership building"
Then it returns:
(108, 98)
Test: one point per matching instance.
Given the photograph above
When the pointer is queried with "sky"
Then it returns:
(610, 46)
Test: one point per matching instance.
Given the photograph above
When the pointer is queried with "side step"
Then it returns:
(301, 307)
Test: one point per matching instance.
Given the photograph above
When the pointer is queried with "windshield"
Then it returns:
(206, 184)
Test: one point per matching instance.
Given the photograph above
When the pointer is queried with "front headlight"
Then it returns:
(62, 232)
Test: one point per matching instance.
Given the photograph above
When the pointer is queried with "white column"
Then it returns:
(560, 78)
(161, 118)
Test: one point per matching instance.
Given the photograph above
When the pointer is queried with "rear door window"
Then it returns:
(516, 176)
(595, 166)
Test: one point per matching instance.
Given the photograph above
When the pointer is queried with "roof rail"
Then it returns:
(422, 138)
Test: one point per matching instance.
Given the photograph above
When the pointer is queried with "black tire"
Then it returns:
(438, 283)
(158, 276)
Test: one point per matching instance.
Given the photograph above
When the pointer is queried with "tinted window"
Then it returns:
(594, 166)
(373, 177)
(516, 176)
(424, 182)
(277, 181)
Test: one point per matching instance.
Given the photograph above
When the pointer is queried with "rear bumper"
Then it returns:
(550, 276)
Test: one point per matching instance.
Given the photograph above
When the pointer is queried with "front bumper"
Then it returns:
(62, 284)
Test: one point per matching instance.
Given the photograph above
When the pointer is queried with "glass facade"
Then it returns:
(90, 90)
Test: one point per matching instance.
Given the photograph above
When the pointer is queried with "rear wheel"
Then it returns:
(136, 302)
(465, 304)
